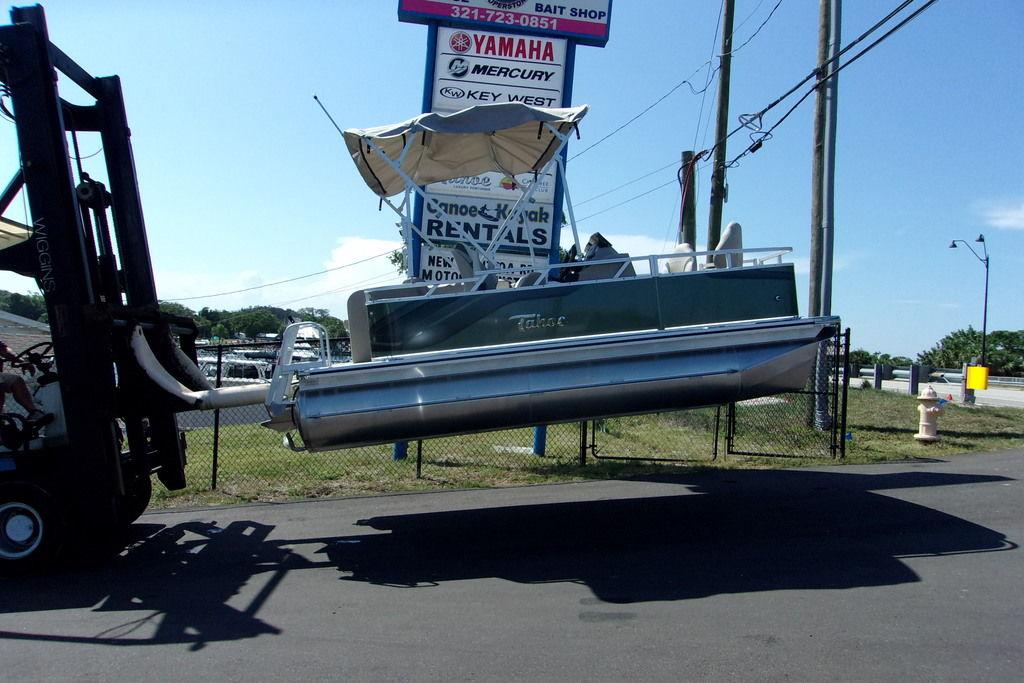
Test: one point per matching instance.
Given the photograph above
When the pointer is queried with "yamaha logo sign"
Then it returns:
(460, 42)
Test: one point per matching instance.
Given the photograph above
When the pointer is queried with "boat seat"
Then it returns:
(489, 282)
(732, 238)
(528, 279)
(465, 262)
(604, 271)
(358, 327)
(682, 265)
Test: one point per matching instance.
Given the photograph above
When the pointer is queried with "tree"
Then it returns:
(397, 259)
(335, 327)
(253, 321)
(177, 309)
(862, 357)
(31, 306)
(1005, 351)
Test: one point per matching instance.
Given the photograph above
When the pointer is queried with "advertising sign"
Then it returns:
(477, 220)
(499, 186)
(438, 265)
(482, 67)
(585, 21)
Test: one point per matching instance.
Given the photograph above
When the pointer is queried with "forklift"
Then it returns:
(77, 483)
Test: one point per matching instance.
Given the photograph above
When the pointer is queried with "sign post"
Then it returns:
(487, 52)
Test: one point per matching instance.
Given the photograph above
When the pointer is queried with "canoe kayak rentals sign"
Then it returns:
(481, 67)
(478, 220)
(584, 21)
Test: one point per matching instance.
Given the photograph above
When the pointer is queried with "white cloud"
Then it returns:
(1006, 216)
(355, 263)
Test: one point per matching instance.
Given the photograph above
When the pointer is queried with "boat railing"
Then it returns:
(650, 266)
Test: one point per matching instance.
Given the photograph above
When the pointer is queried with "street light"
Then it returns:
(984, 315)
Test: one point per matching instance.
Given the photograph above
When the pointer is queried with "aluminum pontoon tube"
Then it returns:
(207, 399)
(457, 392)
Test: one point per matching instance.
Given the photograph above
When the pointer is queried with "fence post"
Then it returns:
(915, 378)
(583, 443)
(540, 439)
(216, 424)
(966, 395)
(878, 376)
(846, 392)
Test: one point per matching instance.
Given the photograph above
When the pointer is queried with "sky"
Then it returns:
(245, 182)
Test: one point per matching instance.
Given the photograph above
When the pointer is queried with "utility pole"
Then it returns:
(721, 129)
(828, 227)
(822, 183)
(818, 164)
(688, 210)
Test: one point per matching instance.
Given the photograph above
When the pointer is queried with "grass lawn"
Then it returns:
(253, 465)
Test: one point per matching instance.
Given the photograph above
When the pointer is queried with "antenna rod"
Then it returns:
(328, 115)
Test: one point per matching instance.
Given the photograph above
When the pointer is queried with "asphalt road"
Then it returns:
(896, 572)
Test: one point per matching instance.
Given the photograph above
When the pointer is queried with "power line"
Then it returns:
(764, 136)
(754, 34)
(350, 285)
(651, 106)
(626, 184)
(674, 181)
(281, 282)
(753, 121)
(239, 314)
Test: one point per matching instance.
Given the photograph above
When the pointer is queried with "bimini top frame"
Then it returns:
(510, 138)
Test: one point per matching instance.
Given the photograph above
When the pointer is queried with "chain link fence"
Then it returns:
(231, 453)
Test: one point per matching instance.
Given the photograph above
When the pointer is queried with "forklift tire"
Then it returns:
(135, 501)
(31, 529)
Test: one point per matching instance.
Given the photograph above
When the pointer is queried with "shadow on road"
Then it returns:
(727, 532)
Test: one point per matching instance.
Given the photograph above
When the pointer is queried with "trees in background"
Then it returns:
(862, 357)
(1004, 353)
(31, 306)
(255, 320)
(1005, 348)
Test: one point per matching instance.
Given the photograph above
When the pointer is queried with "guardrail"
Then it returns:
(936, 375)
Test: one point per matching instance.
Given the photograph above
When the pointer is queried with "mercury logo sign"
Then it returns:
(458, 67)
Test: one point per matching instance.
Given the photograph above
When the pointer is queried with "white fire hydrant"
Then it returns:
(930, 409)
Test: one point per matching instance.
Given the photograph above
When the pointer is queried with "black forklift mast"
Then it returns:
(98, 283)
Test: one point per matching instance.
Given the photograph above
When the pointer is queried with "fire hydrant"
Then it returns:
(930, 409)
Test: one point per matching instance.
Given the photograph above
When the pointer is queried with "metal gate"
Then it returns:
(808, 423)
